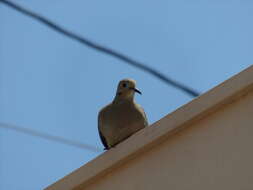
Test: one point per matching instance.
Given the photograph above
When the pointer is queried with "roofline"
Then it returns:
(142, 141)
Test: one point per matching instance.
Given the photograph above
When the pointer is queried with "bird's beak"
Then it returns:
(136, 90)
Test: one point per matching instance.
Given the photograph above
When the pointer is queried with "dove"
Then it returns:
(122, 117)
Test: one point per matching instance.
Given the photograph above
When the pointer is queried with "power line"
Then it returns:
(53, 138)
(102, 49)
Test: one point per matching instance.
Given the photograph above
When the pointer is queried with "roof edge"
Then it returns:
(211, 101)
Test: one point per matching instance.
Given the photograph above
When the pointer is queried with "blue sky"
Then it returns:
(55, 85)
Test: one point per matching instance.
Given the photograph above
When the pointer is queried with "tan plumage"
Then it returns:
(121, 118)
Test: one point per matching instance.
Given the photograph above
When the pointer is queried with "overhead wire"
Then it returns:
(49, 137)
(102, 49)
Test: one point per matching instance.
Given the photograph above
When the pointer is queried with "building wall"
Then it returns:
(213, 153)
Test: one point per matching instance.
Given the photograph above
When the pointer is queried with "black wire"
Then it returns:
(102, 49)
(51, 137)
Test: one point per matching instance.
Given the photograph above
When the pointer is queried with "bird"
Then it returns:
(122, 117)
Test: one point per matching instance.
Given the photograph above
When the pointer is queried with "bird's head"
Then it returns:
(126, 89)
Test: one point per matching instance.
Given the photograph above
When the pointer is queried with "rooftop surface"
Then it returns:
(156, 133)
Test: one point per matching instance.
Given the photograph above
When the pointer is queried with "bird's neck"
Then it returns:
(123, 99)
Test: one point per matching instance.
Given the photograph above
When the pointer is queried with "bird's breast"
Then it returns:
(121, 121)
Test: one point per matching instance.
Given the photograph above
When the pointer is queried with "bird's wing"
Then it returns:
(144, 114)
(100, 133)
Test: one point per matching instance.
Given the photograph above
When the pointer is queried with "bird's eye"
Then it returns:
(124, 85)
